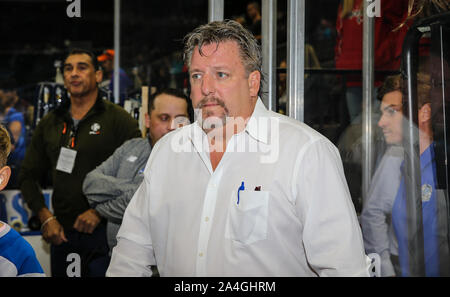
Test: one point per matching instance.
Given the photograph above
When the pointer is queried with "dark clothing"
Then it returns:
(92, 249)
(255, 28)
(104, 128)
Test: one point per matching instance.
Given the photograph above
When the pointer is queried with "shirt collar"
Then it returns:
(258, 126)
(259, 123)
(427, 156)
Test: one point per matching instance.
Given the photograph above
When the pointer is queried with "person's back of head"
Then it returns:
(254, 10)
(9, 100)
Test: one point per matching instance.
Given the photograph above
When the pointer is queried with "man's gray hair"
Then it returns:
(222, 31)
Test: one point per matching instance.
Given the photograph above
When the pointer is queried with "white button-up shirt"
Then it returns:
(192, 221)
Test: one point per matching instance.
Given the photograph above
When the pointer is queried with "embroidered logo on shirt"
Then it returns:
(95, 129)
(131, 159)
(427, 190)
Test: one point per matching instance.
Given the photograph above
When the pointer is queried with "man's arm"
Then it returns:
(374, 223)
(331, 234)
(16, 130)
(34, 167)
(133, 255)
(376, 234)
(107, 193)
(378, 208)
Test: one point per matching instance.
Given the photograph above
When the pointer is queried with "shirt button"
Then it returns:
(206, 219)
(200, 255)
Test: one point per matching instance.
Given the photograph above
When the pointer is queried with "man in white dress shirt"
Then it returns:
(243, 191)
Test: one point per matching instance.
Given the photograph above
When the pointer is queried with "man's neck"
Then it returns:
(218, 139)
(425, 141)
(81, 105)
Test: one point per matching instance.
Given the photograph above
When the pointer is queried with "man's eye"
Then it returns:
(391, 111)
(222, 74)
(164, 118)
(195, 76)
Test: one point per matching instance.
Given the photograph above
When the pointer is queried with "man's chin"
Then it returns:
(75, 92)
(213, 122)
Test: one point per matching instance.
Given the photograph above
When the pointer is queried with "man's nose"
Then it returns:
(73, 72)
(208, 85)
(382, 122)
(173, 125)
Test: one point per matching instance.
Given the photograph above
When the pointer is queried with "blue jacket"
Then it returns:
(429, 216)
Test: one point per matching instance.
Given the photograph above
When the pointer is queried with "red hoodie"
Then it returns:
(388, 44)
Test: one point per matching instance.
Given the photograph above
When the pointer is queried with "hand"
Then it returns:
(53, 233)
(87, 221)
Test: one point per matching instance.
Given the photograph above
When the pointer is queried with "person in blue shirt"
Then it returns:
(14, 122)
(428, 186)
(107, 62)
(17, 257)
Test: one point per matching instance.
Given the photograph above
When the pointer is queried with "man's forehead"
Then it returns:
(166, 101)
(78, 58)
(225, 46)
(392, 98)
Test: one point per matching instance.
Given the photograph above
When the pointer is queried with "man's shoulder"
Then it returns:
(21, 254)
(136, 144)
(113, 107)
(50, 118)
(112, 110)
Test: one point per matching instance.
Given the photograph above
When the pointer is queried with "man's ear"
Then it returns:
(98, 76)
(254, 83)
(5, 173)
(425, 113)
(147, 121)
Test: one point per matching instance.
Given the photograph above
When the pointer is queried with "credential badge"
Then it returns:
(427, 190)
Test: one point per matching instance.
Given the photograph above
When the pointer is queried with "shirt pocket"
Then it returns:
(247, 221)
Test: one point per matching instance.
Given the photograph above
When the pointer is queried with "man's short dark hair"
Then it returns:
(172, 92)
(391, 83)
(80, 51)
(255, 4)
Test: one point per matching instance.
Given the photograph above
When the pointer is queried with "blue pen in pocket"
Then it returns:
(241, 188)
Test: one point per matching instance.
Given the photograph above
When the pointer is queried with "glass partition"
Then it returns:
(404, 213)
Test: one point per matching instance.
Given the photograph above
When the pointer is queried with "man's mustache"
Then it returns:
(209, 100)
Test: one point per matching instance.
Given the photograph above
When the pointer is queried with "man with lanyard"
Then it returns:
(428, 182)
(69, 142)
(110, 186)
(243, 191)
